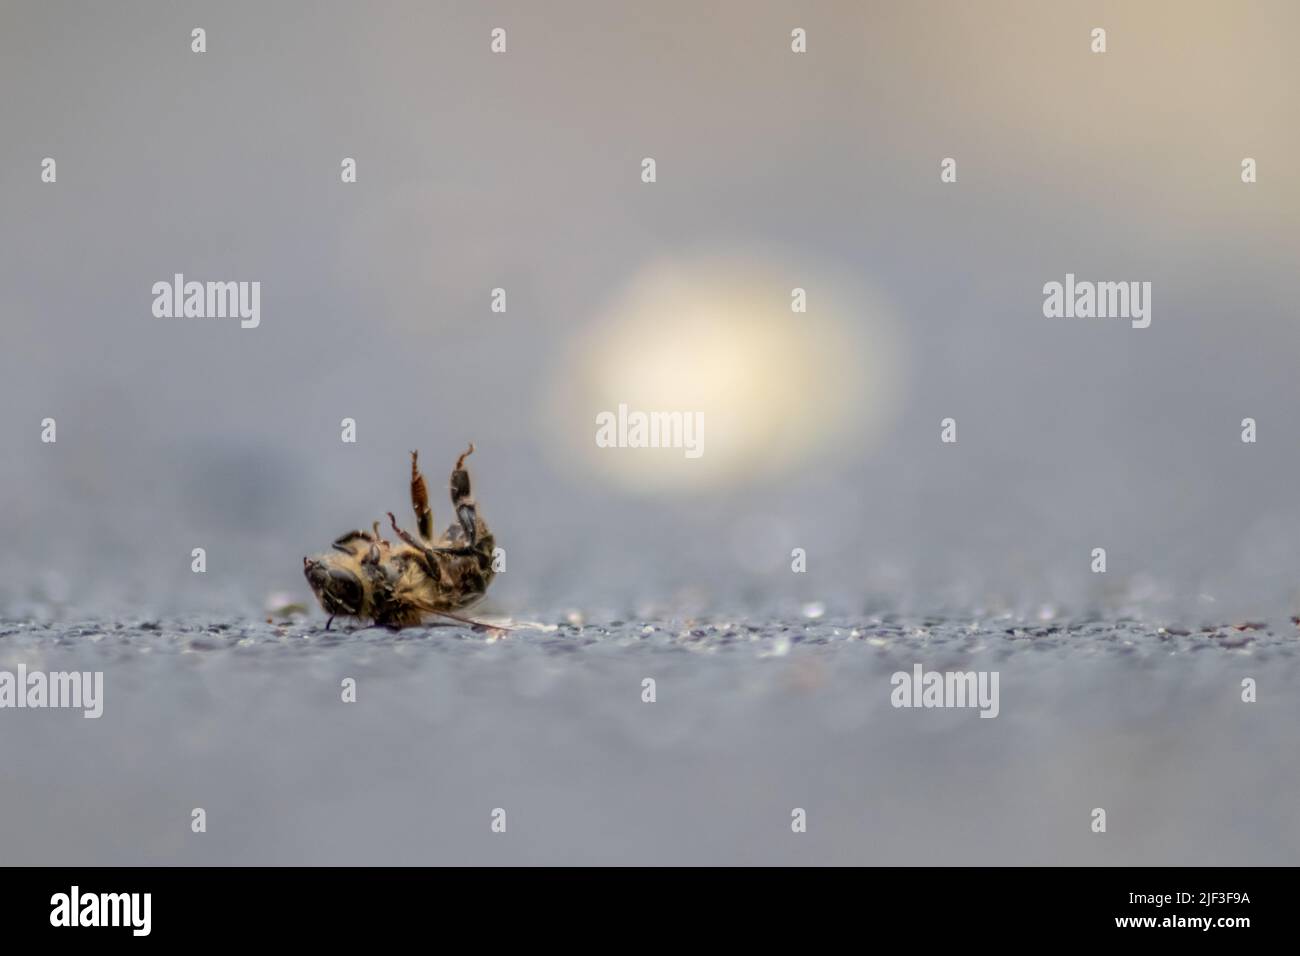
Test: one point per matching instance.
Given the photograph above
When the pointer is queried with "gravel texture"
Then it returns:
(752, 719)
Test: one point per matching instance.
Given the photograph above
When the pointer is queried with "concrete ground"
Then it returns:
(751, 720)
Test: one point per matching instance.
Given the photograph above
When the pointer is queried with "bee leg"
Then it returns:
(420, 500)
(329, 622)
(456, 552)
(466, 514)
(463, 503)
(426, 552)
(405, 535)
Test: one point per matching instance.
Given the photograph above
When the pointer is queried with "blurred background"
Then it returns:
(775, 171)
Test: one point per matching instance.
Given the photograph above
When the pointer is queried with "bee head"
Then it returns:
(338, 589)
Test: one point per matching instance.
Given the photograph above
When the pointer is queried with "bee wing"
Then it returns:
(465, 620)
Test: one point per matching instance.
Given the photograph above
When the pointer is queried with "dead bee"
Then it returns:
(365, 576)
